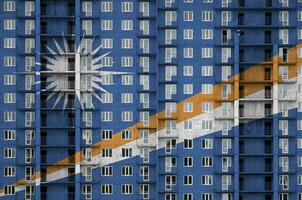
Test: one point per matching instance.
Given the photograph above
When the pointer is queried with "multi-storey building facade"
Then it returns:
(151, 99)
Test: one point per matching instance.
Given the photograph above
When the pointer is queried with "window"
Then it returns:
(188, 34)
(9, 61)
(170, 181)
(106, 153)
(29, 118)
(126, 134)
(127, 61)
(9, 24)
(127, 116)
(188, 161)
(207, 16)
(9, 6)
(283, 196)
(171, 162)
(29, 192)
(9, 153)
(29, 63)
(144, 8)
(126, 25)
(188, 88)
(29, 26)
(284, 163)
(9, 189)
(144, 45)
(107, 134)
(107, 79)
(226, 163)
(126, 171)
(87, 27)
(299, 143)
(29, 154)
(283, 36)
(207, 106)
(226, 145)
(87, 191)
(170, 53)
(87, 8)
(107, 43)
(225, 18)
(106, 171)
(144, 190)
(126, 152)
(188, 70)
(126, 6)
(207, 71)
(206, 180)
(144, 81)
(188, 107)
(106, 25)
(29, 8)
(87, 136)
(206, 52)
(188, 179)
(170, 35)
(207, 89)
(170, 17)
(206, 162)
(29, 45)
(144, 154)
(299, 13)
(188, 15)
(225, 3)
(10, 98)
(144, 118)
(9, 134)
(284, 181)
(226, 182)
(127, 79)
(106, 189)
(188, 196)
(106, 116)
(226, 54)
(9, 43)
(207, 143)
(9, 116)
(188, 52)
(207, 34)
(127, 188)
(207, 196)
(106, 6)
(226, 72)
(284, 18)
(206, 125)
(144, 99)
(127, 98)
(9, 171)
(29, 137)
(126, 43)
(188, 144)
